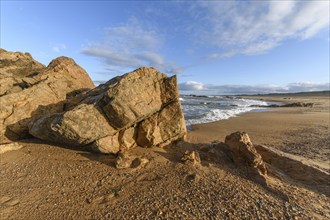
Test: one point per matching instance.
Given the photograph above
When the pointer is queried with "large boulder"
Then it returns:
(139, 108)
(41, 92)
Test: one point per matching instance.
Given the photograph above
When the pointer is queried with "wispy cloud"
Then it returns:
(58, 47)
(199, 88)
(130, 46)
(255, 27)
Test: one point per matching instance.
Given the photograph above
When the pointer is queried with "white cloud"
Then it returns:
(191, 85)
(129, 47)
(254, 27)
(199, 88)
(58, 47)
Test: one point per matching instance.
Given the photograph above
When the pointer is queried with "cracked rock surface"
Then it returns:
(28, 90)
(139, 108)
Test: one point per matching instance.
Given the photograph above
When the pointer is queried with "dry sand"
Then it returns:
(44, 181)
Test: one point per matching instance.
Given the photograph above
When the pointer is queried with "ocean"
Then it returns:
(204, 109)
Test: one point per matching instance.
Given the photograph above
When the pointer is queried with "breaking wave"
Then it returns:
(204, 109)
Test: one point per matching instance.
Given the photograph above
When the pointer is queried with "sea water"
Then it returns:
(204, 109)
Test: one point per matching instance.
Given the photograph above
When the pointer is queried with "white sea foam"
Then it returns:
(198, 110)
(219, 114)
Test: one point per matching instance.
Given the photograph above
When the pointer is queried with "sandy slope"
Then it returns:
(43, 181)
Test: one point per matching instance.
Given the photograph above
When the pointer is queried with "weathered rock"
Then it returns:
(80, 126)
(43, 93)
(127, 138)
(10, 147)
(191, 157)
(298, 104)
(294, 104)
(139, 162)
(106, 145)
(124, 160)
(14, 69)
(166, 125)
(140, 107)
(245, 155)
(137, 95)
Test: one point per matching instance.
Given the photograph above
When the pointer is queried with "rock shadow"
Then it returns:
(19, 130)
(106, 159)
(217, 154)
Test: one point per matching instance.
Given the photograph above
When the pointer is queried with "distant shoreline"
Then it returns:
(312, 93)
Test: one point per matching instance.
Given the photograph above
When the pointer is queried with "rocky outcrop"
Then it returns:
(15, 69)
(139, 108)
(245, 155)
(43, 91)
(294, 104)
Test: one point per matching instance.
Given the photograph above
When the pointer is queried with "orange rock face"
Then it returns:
(37, 90)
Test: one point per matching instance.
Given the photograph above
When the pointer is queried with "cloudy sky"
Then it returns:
(215, 47)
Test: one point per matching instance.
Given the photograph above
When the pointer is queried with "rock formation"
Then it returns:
(28, 90)
(244, 154)
(139, 108)
(15, 69)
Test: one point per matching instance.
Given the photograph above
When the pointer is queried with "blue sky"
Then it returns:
(215, 47)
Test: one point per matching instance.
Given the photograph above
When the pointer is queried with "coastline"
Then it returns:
(281, 128)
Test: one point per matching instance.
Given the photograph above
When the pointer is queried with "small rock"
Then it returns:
(124, 160)
(139, 162)
(191, 157)
(9, 147)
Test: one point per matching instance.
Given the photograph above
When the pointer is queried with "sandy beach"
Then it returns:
(193, 110)
(60, 182)
(301, 131)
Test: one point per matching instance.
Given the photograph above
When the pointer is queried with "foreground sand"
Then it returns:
(43, 181)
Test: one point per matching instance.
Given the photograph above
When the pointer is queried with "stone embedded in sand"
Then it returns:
(244, 154)
(124, 160)
(294, 104)
(42, 92)
(191, 157)
(139, 108)
(139, 162)
(10, 147)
